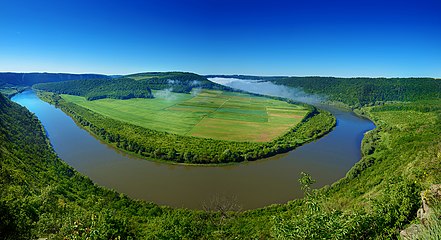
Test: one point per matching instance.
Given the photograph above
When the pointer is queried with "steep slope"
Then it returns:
(182, 82)
(358, 92)
(92, 89)
(41, 196)
(29, 79)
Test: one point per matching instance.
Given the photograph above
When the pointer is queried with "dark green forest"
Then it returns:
(358, 92)
(43, 197)
(152, 144)
(93, 89)
(29, 79)
(130, 86)
(181, 82)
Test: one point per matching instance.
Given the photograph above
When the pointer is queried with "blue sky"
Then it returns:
(309, 37)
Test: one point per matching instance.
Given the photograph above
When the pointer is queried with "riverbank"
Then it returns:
(10, 92)
(185, 149)
(327, 159)
(374, 200)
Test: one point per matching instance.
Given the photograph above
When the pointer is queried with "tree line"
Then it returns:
(119, 88)
(187, 149)
(131, 86)
(41, 196)
(358, 92)
(181, 82)
(10, 79)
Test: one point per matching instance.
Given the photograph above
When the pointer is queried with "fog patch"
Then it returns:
(171, 81)
(195, 91)
(269, 88)
(195, 83)
(165, 94)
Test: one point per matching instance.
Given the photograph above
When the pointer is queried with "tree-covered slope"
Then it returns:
(131, 86)
(29, 79)
(41, 196)
(182, 82)
(358, 92)
(120, 88)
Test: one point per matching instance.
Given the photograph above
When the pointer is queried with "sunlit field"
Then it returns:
(207, 114)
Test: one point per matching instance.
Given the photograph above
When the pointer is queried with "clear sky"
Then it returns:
(308, 37)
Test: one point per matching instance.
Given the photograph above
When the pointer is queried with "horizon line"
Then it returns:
(221, 74)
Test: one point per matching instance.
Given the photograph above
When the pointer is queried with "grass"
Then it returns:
(208, 114)
(432, 228)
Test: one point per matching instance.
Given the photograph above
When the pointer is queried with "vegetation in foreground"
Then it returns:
(41, 196)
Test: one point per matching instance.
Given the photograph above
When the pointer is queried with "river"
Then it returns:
(250, 185)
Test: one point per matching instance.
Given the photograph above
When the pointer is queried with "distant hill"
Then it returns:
(9, 79)
(131, 86)
(358, 92)
(119, 88)
(182, 82)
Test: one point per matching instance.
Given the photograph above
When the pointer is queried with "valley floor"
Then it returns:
(43, 197)
(205, 113)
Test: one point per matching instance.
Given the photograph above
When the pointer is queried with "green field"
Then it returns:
(208, 114)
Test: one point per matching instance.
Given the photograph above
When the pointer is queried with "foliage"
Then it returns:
(208, 113)
(93, 89)
(131, 86)
(181, 82)
(314, 221)
(29, 79)
(40, 196)
(171, 147)
(358, 92)
(432, 228)
(11, 91)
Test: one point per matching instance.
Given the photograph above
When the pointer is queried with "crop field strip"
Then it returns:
(208, 114)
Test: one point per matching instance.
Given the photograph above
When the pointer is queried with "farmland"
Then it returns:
(207, 113)
(185, 118)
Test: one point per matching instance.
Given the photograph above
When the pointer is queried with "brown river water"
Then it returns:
(251, 185)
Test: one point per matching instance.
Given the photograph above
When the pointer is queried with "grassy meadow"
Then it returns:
(208, 114)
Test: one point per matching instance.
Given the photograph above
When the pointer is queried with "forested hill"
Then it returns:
(120, 88)
(358, 92)
(29, 79)
(182, 82)
(131, 86)
(41, 196)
